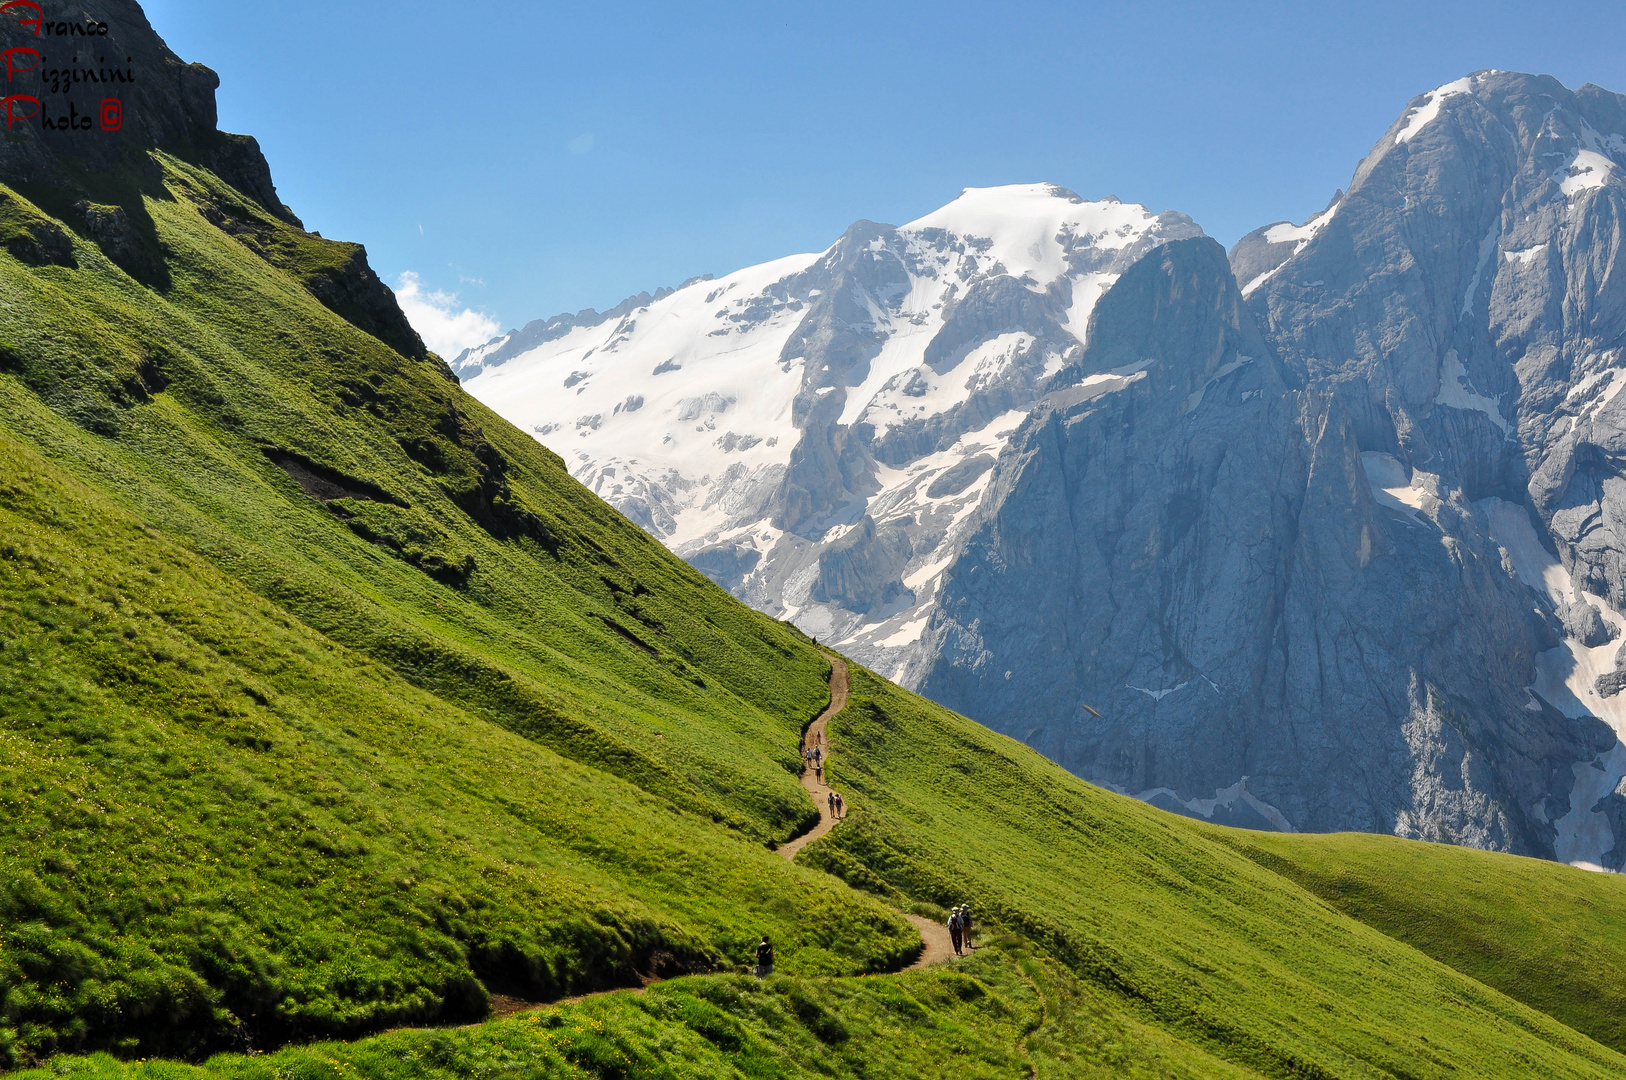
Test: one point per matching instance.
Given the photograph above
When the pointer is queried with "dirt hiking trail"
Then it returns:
(815, 737)
(939, 946)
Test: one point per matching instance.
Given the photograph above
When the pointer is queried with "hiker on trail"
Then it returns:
(841, 807)
(954, 929)
(764, 958)
(830, 799)
(965, 926)
(818, 755)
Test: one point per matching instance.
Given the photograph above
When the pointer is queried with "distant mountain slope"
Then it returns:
(1464, 305)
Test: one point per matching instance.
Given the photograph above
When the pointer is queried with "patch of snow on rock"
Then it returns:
(1589, 170)
(1458, 393)
(1566, 678)
(1410, 491)
(1420, 117)
(1525, 257)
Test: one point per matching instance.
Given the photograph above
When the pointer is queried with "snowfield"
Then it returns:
(685, 412)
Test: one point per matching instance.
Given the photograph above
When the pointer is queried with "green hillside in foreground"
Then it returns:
(330, 704)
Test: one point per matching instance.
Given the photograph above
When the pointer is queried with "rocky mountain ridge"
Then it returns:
(819, 442)
(1321, 535)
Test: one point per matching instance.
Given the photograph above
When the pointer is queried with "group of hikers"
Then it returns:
(813, 756)
(959, 928)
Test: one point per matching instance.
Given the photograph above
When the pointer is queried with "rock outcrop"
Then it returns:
(92, 94)
(1465, 306)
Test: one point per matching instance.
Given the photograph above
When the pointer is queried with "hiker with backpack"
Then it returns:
(841, 807)
(965, 926)
(764, 958)
(954, 929)
(830, 801)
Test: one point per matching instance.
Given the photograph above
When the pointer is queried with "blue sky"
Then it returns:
(519, 160)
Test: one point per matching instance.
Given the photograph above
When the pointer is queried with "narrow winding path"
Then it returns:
(939, 946)
(815, 737)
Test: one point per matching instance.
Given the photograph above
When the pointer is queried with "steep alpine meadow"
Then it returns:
(271, 770)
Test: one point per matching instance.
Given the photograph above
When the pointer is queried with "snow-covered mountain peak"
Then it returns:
(1032, 228)
(815, 432)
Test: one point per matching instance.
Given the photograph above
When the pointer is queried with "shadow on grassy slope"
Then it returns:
(994, 1016)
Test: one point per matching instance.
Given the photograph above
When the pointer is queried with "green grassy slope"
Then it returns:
(1547, 935)
(1000, 1014)
(1182, 932)
(328, 701)
(269, 770)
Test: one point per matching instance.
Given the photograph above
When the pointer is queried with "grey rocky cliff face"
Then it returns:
(1198, 557)
(1465, 307)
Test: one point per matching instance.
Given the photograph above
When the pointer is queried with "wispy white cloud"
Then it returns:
(444, 327)
(581, 143)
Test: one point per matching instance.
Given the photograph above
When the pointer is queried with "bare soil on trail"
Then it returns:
(811, 780)
(939, 946)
